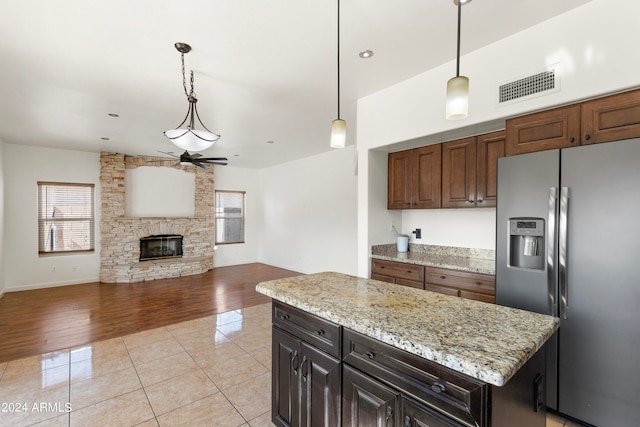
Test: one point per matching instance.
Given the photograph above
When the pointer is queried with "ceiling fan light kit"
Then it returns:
(338, 126)
(188, 138)
(458, 87)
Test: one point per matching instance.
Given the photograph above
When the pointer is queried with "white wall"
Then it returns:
(152, 191)
(23, 167)
(241, 179)
(596, 47)
(308, 219)
(2, 191)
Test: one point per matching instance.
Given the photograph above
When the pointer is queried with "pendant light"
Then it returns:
(189, 138)
(458, 87)
(338, 126)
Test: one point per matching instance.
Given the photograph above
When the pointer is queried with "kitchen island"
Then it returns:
(355, 351)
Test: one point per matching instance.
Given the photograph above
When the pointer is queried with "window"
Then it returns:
(229, 217)
(65, 217)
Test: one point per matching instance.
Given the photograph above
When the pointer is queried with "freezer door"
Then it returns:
(526, 184)
(599, 365)
(528, 188)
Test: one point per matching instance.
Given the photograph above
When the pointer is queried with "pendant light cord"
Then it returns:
(338, 59)
(458, 55)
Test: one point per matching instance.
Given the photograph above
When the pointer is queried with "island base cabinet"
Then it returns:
(306, 383)
(367, 402)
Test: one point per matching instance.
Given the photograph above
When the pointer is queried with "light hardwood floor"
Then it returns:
(39, 321)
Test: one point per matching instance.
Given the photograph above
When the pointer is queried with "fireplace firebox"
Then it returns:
(160, 246)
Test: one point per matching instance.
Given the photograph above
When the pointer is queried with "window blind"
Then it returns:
(230, 214)
(65, 217)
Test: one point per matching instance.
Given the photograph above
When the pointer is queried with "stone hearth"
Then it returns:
(120, 235)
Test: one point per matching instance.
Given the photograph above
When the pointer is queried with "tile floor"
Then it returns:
(213, 371)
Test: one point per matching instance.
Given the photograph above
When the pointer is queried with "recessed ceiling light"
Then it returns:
(236, 155)
(114, 115)
(105, 138)
(366, 54)
(270, 142)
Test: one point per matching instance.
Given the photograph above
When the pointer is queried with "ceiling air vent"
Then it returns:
(539, 84)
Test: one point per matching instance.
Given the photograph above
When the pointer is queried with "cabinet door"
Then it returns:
(459, 173)
(489, 148)
(320, 378)
(546, 130)
(367, 402)
(285, 390)
(399, 180)
(426, 177)
(415, 414)
(611, 118)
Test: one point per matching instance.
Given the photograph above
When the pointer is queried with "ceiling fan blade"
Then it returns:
(213, 158)
(195, 155)
(200, 165)
(169, 154)
(211, 162)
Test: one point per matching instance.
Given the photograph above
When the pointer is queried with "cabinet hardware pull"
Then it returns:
(572, 139)
(407, 421)
(478, 283)
(409, 271)
(294, 363)
(587, 137)
(303, 369)
(320, 332)
(443, 277)
(470, 201)
(370, 355)
(284, 317)
(480, 201)
(389, 414)
(437, 387)
(381, 267)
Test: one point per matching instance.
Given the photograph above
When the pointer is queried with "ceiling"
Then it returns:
(265, 70)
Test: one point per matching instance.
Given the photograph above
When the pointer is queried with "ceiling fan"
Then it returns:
(197, 159)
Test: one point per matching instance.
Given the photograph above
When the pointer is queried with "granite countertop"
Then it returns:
(485, 341)
(463, 259)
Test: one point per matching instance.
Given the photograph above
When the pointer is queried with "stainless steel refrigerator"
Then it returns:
(568, 244)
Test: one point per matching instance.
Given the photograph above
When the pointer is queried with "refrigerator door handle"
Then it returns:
(563, 287)
(551, 267)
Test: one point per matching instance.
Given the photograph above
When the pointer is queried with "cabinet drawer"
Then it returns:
(451, 393)
(398, 269)
(321, 333)
(474, 282)
(442, 289)
(478, 297)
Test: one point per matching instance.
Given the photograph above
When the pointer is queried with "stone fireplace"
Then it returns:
(120, 256)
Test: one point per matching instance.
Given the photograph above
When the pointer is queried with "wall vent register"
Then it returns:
(537, 84)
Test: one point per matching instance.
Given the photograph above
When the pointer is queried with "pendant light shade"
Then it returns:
(457, 98)
(458, 87)
(189, 138)
(338, 133)
(338, 126)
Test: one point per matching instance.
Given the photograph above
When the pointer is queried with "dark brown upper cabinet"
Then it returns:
(546, 130)
(489, 148)
(469, 170)
(459, 173)
(414, 178)
(611, 118)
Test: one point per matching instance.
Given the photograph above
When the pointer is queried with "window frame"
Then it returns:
(43, 220)
(222, 217)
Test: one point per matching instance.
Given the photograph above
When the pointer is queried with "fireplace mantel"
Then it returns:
(120, 248)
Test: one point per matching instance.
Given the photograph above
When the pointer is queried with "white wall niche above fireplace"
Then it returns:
(120, 234)
(159, 192)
